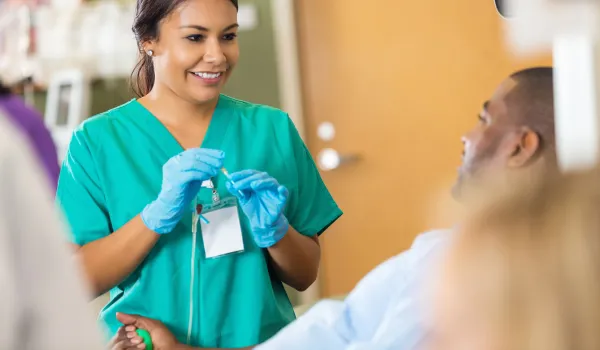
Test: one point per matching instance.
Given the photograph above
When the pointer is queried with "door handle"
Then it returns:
(329, 159)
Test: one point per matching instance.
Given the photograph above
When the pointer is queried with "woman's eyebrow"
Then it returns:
(201, 28)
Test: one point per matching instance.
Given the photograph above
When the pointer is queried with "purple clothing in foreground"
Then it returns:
(31, 124)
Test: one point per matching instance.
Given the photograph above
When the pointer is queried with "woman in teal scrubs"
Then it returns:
(133, 174)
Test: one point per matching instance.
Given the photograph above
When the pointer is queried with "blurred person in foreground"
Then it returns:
(29, 122)
(43, 301)
(514, 135)
(523, 272)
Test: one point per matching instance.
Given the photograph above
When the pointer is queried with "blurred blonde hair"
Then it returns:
(528, 260)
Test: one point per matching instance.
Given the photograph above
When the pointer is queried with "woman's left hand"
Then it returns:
(126, 339)
(263, 201)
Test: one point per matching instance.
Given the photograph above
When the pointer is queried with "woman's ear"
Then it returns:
(525, 148)
(147, 47)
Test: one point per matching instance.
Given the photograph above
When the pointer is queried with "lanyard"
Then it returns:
(215, 195)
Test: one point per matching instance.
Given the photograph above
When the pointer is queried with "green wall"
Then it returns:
(255, 77)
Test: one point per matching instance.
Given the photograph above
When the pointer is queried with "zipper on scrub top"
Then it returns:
(196, 214)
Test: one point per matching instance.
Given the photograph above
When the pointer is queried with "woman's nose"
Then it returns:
(213, 53)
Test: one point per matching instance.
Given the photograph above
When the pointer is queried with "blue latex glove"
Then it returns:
(182, 178)
(263, 200)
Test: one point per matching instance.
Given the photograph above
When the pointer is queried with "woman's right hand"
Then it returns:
(183, 175)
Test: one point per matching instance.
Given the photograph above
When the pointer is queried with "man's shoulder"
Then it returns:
(431, 239)
(424, 249)
(424, 245)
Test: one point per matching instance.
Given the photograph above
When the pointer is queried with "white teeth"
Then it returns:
(208, 75)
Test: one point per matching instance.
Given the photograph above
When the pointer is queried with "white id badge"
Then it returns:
(223, 233)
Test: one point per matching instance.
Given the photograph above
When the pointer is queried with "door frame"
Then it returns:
(290, 86)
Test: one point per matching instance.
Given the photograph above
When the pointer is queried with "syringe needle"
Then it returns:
(226, 173)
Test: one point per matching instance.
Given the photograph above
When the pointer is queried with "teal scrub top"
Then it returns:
(113, 169)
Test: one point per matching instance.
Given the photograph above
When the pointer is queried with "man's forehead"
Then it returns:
(497, 105)
(505, 88)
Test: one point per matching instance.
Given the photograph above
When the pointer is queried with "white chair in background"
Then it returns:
(67, 105)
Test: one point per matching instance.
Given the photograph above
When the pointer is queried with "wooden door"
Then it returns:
(401, 81)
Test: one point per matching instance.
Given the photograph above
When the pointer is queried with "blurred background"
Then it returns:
(380, 90)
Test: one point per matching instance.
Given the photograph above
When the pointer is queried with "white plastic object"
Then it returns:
(247, 16)
(536, 23)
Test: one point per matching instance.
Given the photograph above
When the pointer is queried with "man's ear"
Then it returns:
(526, 147)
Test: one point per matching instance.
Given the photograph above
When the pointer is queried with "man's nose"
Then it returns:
(469, 136)
(466, 140)
(213, 53)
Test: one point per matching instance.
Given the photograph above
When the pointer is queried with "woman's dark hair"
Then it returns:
(4, 90)
(148, 14)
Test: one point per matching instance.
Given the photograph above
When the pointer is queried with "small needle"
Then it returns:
(226, 173)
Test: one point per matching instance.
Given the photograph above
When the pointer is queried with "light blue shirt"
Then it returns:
(383, 312)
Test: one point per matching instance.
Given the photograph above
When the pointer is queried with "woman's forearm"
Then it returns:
(109, 260)
(296, 259)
